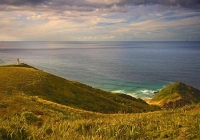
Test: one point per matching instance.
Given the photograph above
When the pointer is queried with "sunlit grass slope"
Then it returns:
(42, 119)
(177, 95)
(28, 113)
(33, 82)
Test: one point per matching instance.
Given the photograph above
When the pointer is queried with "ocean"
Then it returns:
(136, 68)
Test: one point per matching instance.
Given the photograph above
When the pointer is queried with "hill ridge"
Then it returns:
(175, 95)
(33, 82)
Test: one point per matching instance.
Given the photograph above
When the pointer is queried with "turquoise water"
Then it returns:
(135, 68)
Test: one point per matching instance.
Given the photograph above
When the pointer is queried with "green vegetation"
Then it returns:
(177, 95)
(47, 120)
(37, 105)
(30, 81)
(20, 65)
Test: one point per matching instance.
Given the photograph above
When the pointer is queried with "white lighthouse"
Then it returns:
(18, 62)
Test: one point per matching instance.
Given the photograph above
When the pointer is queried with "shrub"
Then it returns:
(4, 134)
(49, 131)
(29, 117)
(3, 105)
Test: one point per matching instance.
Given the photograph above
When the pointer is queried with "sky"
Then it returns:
(100, 20)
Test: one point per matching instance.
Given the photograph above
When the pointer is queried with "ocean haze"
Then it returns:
(135, 68)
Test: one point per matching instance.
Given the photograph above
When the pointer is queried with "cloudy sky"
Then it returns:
(100, 20)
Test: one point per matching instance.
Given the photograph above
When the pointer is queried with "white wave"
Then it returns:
(146, 91)
(118, 91)
(143, 94)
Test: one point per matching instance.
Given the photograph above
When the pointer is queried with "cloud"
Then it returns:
(109, 37)
(23, 2)
(102, 3)
(182, 3)
(99, 19)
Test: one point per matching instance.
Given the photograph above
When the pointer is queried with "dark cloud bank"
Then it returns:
(22, 2)
(183, 3)
(91, 3)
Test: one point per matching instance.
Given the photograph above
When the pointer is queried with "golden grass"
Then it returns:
(36, 118)
(27, 115)
(59, 122)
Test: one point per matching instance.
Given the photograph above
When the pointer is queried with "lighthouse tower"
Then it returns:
(18, 62)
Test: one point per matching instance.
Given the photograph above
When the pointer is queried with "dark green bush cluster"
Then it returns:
(14, 133)
(29, 117)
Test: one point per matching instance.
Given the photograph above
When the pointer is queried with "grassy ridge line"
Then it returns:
(33, 82)
(19, 65)
(11, 106)
(176, 95)
(177, 124)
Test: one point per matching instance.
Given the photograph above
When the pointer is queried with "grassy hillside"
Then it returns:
(30, 81)
(177, 95)
(42, 119)
(28, 111)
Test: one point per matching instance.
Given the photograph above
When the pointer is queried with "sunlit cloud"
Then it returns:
(106, 20)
